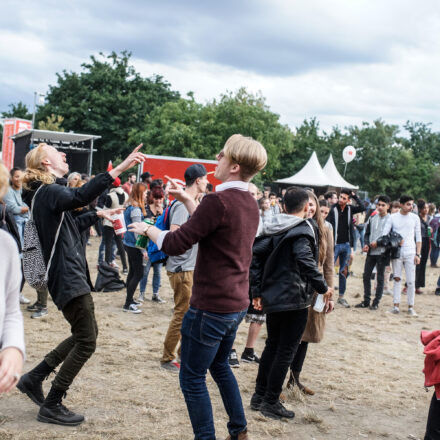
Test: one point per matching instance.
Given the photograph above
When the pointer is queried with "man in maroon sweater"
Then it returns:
(225, 225)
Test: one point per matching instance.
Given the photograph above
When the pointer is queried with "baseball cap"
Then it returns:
(194, 171)
(146, 175)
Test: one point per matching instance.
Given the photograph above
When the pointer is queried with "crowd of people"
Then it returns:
(278, 255)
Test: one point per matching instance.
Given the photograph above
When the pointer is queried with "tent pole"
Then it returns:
(91, 157)
(345, 168)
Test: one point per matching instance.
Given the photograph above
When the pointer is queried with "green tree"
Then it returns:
(107, 98)
(18, 110)
(52, 123)
(188, 129)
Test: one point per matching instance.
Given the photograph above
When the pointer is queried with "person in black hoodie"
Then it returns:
(68, 282)
(283, 277)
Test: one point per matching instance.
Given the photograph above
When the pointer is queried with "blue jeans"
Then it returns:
(342, 251)
(434, 253)
(20, 221)
(156, 277)
(207, 340)
(359, 234)
(101, 251)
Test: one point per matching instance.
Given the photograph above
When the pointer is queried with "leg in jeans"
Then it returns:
(207, 339)
(78, 348)
(344, 255)
(410, 272)
(121, 250)
(397, 273)
(370, 263)
(156, 277)
(134, 274)
(42, 297)
(181, 283)
(380, 276)
(107, 237)
(434, 253)
(284, 332)
(433, 424)
(144, 280)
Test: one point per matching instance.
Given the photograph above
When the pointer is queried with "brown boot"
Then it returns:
(242, 436)
(303, 389)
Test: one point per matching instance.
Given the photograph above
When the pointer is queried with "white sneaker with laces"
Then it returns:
(412, 312)
(132, 308)
(395, 310)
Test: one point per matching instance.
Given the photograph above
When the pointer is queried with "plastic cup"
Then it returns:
(118, 222)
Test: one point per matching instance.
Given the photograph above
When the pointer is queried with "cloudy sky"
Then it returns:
(342, 61)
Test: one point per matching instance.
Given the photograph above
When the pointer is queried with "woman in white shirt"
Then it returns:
(11, 320)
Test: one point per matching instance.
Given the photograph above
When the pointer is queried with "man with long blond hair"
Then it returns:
(224, 225)
(51, 203)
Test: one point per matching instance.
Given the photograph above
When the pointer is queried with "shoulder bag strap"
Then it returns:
(54, 245)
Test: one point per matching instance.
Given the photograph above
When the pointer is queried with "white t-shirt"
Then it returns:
(408, 226)
(11, 320)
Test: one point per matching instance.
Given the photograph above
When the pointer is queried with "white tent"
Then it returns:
(333, 174)
(311, 174)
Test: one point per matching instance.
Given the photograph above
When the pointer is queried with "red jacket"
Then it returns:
(431, 341)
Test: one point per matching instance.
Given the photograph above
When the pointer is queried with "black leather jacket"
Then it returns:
(284, 270)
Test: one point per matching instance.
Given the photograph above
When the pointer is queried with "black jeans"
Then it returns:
(284, 332)
(300, 356)
(108, 233)
(380, 262)
(135, 272)
(421, 268)
(433, 424)
(78, 348)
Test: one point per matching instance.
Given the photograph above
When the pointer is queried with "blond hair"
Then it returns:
(246, 152)
(35, 170)
(4, 180)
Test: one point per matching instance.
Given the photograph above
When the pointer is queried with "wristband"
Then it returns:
(418, 256)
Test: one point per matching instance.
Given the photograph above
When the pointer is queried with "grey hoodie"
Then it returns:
(281, 223)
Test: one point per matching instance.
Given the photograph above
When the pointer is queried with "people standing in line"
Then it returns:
(315, 327)
(153, 211)
(134, 212)
(180, 269)
(426, 231)
(435, 239)
(407, 224)
(284, 276)
(128, 185)
(67, 278)
(376, 255)
(224, 224)
(341, 219)
(116, 199)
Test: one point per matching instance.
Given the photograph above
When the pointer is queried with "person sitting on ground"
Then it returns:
(284, 275)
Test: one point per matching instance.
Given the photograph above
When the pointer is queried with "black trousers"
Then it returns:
(380, 262)
(108, 233)
(433, 425)
(421, 268)
(74, 351)
(300, 356)
(284, 332)
(135, 272)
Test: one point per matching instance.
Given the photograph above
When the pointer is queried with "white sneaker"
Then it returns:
(395, 310)
(23, 299)
(132, 308)
(141, 297)
(412, 312)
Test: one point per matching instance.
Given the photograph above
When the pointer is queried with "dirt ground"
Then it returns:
(367, 374)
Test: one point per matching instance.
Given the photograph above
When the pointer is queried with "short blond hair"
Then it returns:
(246, 152)
(35, 170)
(4, 180)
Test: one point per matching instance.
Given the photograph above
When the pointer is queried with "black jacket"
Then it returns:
(68, 274)
(333, 217)
(284, 270)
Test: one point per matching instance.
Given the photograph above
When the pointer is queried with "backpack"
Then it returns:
(34, 268)
(163, 223)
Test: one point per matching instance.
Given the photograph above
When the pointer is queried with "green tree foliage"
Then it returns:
(52, 123)
(18, 110)
(107, 98)
(189, 129)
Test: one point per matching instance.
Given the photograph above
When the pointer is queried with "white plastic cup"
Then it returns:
(319, 303)
(118, 222)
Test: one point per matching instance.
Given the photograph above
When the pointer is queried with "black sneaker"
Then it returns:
(39, 313)
(59, 415)
(34, 307)
(276, 411)
(256, 401)
(437, 291)
(233, 359)
(32, 388)
(249, 358)
(156, 298)
(374, 306)
(362, 305)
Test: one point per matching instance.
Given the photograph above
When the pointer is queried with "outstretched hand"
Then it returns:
(135, 157)
(109, 213)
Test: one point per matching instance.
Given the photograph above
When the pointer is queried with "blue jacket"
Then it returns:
(129, 237)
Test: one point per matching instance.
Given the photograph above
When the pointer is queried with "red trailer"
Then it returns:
(175, 167)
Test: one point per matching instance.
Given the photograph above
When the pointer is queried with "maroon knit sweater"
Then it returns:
(224, 225)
